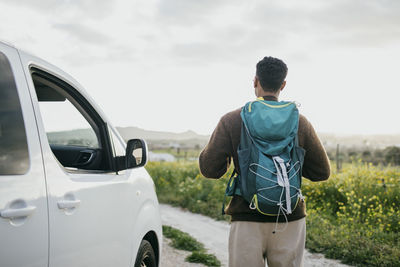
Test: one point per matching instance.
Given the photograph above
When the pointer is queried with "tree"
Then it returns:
(392, 155)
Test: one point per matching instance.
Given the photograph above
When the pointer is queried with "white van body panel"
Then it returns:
(24, 241)
(115, 211)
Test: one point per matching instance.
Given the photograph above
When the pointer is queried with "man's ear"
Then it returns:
(282, 86)
(255, 82)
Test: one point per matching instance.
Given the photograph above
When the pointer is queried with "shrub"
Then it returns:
(353, 216)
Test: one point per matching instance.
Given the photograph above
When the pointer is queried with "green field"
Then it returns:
(354, 216)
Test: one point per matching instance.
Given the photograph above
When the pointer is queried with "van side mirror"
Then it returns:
(136, 153)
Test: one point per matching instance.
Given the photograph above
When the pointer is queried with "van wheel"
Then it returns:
(145, 256)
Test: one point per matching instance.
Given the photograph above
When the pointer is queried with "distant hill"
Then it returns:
(192, 139)
(158, 139)
(135, 132)
(358, 141)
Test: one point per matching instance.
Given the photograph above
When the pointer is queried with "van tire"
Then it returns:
(145, 256)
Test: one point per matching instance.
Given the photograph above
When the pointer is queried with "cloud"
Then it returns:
(206, 32)
(90, 46)
(188, 12)
(234, 46)
(362, 23)
(212, 31)
(221, 30)
(77, 8)
(84, 33)
(89, 55)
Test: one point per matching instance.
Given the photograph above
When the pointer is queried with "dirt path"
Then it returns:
(214, 235)
(172, 257)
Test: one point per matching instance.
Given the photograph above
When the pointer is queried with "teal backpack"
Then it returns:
(270, 160)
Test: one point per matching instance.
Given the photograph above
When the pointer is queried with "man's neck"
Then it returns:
(270, 95)
(270, 98)
(261, 93)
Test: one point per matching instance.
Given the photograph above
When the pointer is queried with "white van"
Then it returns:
(72, 193)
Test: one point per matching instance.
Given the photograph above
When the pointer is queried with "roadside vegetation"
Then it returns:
(184, 241)
(354, 216)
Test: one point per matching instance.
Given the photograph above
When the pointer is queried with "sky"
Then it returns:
(178, 65)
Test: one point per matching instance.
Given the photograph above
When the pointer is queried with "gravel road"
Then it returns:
(214, 235)
(172, 257)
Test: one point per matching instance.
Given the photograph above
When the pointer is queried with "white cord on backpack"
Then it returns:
(283, 180)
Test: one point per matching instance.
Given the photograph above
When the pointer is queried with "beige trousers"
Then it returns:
(251, 244)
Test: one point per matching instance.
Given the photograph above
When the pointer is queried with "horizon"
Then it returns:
(208, 135)
(322, 133)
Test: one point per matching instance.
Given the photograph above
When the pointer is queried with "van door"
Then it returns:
(90, 204)
(23, 201)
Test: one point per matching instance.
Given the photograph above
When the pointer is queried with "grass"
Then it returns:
(184, 241)
(353, 217)
(206, 259)
(180, 184)
(352, 245)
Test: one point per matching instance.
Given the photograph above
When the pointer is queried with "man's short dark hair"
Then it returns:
(271, 72)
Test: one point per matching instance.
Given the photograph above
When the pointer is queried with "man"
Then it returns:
(251, 238)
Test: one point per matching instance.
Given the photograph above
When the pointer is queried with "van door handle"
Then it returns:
(68, 204)
(18, 212)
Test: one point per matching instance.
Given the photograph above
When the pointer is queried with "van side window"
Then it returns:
(64, 125)
(14, 154)
(74, 131)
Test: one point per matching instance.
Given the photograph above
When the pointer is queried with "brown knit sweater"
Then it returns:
(216, 157)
